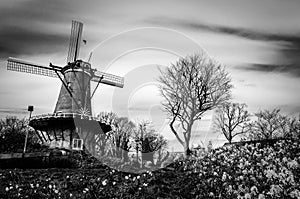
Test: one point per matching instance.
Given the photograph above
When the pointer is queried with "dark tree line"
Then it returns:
(12, 136)
(233, 119)
(127, 136)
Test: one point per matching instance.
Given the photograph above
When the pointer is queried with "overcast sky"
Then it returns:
(258, 41)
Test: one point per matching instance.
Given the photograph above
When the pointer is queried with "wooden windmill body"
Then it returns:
(71, 125)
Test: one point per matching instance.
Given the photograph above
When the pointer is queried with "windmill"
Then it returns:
(71, 125)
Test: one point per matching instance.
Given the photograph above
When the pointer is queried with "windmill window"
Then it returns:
(77, 144)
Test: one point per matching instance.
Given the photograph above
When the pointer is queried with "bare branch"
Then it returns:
(231, 118)
(198, 84)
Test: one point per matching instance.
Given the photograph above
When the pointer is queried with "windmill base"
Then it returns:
(69, 130)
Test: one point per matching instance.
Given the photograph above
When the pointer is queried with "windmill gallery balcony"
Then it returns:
(57, 129)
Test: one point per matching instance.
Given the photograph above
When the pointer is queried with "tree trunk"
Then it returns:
(125, 156)
(187, 150)
(230, 139)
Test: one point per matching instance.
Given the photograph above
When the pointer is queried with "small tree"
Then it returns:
(294, 127)
(118, 137)
(102, 139)
(269, 124)
(284, 123)
(123, 130)
(148, 141)
(191, 87)
(231, 120)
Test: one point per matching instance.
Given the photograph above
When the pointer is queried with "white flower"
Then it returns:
(85, 190)
(50, 186)
(295, 194)
(271, 173)
(126, 177)
(55, 191)
(104, 182)
(31, 185)
(247, 196)
(275, 190)
(254, 189)
(138, 177)
(292, 164)
(224, 176)
(114, 183)
(6, 189)
(145, 184)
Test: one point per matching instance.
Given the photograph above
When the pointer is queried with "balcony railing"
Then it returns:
(64, 115)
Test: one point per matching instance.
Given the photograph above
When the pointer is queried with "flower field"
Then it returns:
(248, 171)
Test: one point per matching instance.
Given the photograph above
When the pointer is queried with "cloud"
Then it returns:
(287, 46)
(236, 31)
(21, 41)
(28, 28)
(250, 85)
(291, 69)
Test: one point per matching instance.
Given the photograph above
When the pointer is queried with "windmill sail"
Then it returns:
(28, 67)
(75, 40)
(108, 79)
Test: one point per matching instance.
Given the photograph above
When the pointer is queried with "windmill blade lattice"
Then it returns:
(19, 65)
(75, 40)
(109, 79)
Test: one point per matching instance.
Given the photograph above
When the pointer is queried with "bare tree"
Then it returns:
(231, 119)
(191, 87)
(148, 141)
(284, 123)
(123, 130)
(118, 137)
(294, 127)
(102, 139)
(269, 124)
(107, 117)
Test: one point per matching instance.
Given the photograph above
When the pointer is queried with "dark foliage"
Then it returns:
(12, 136)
